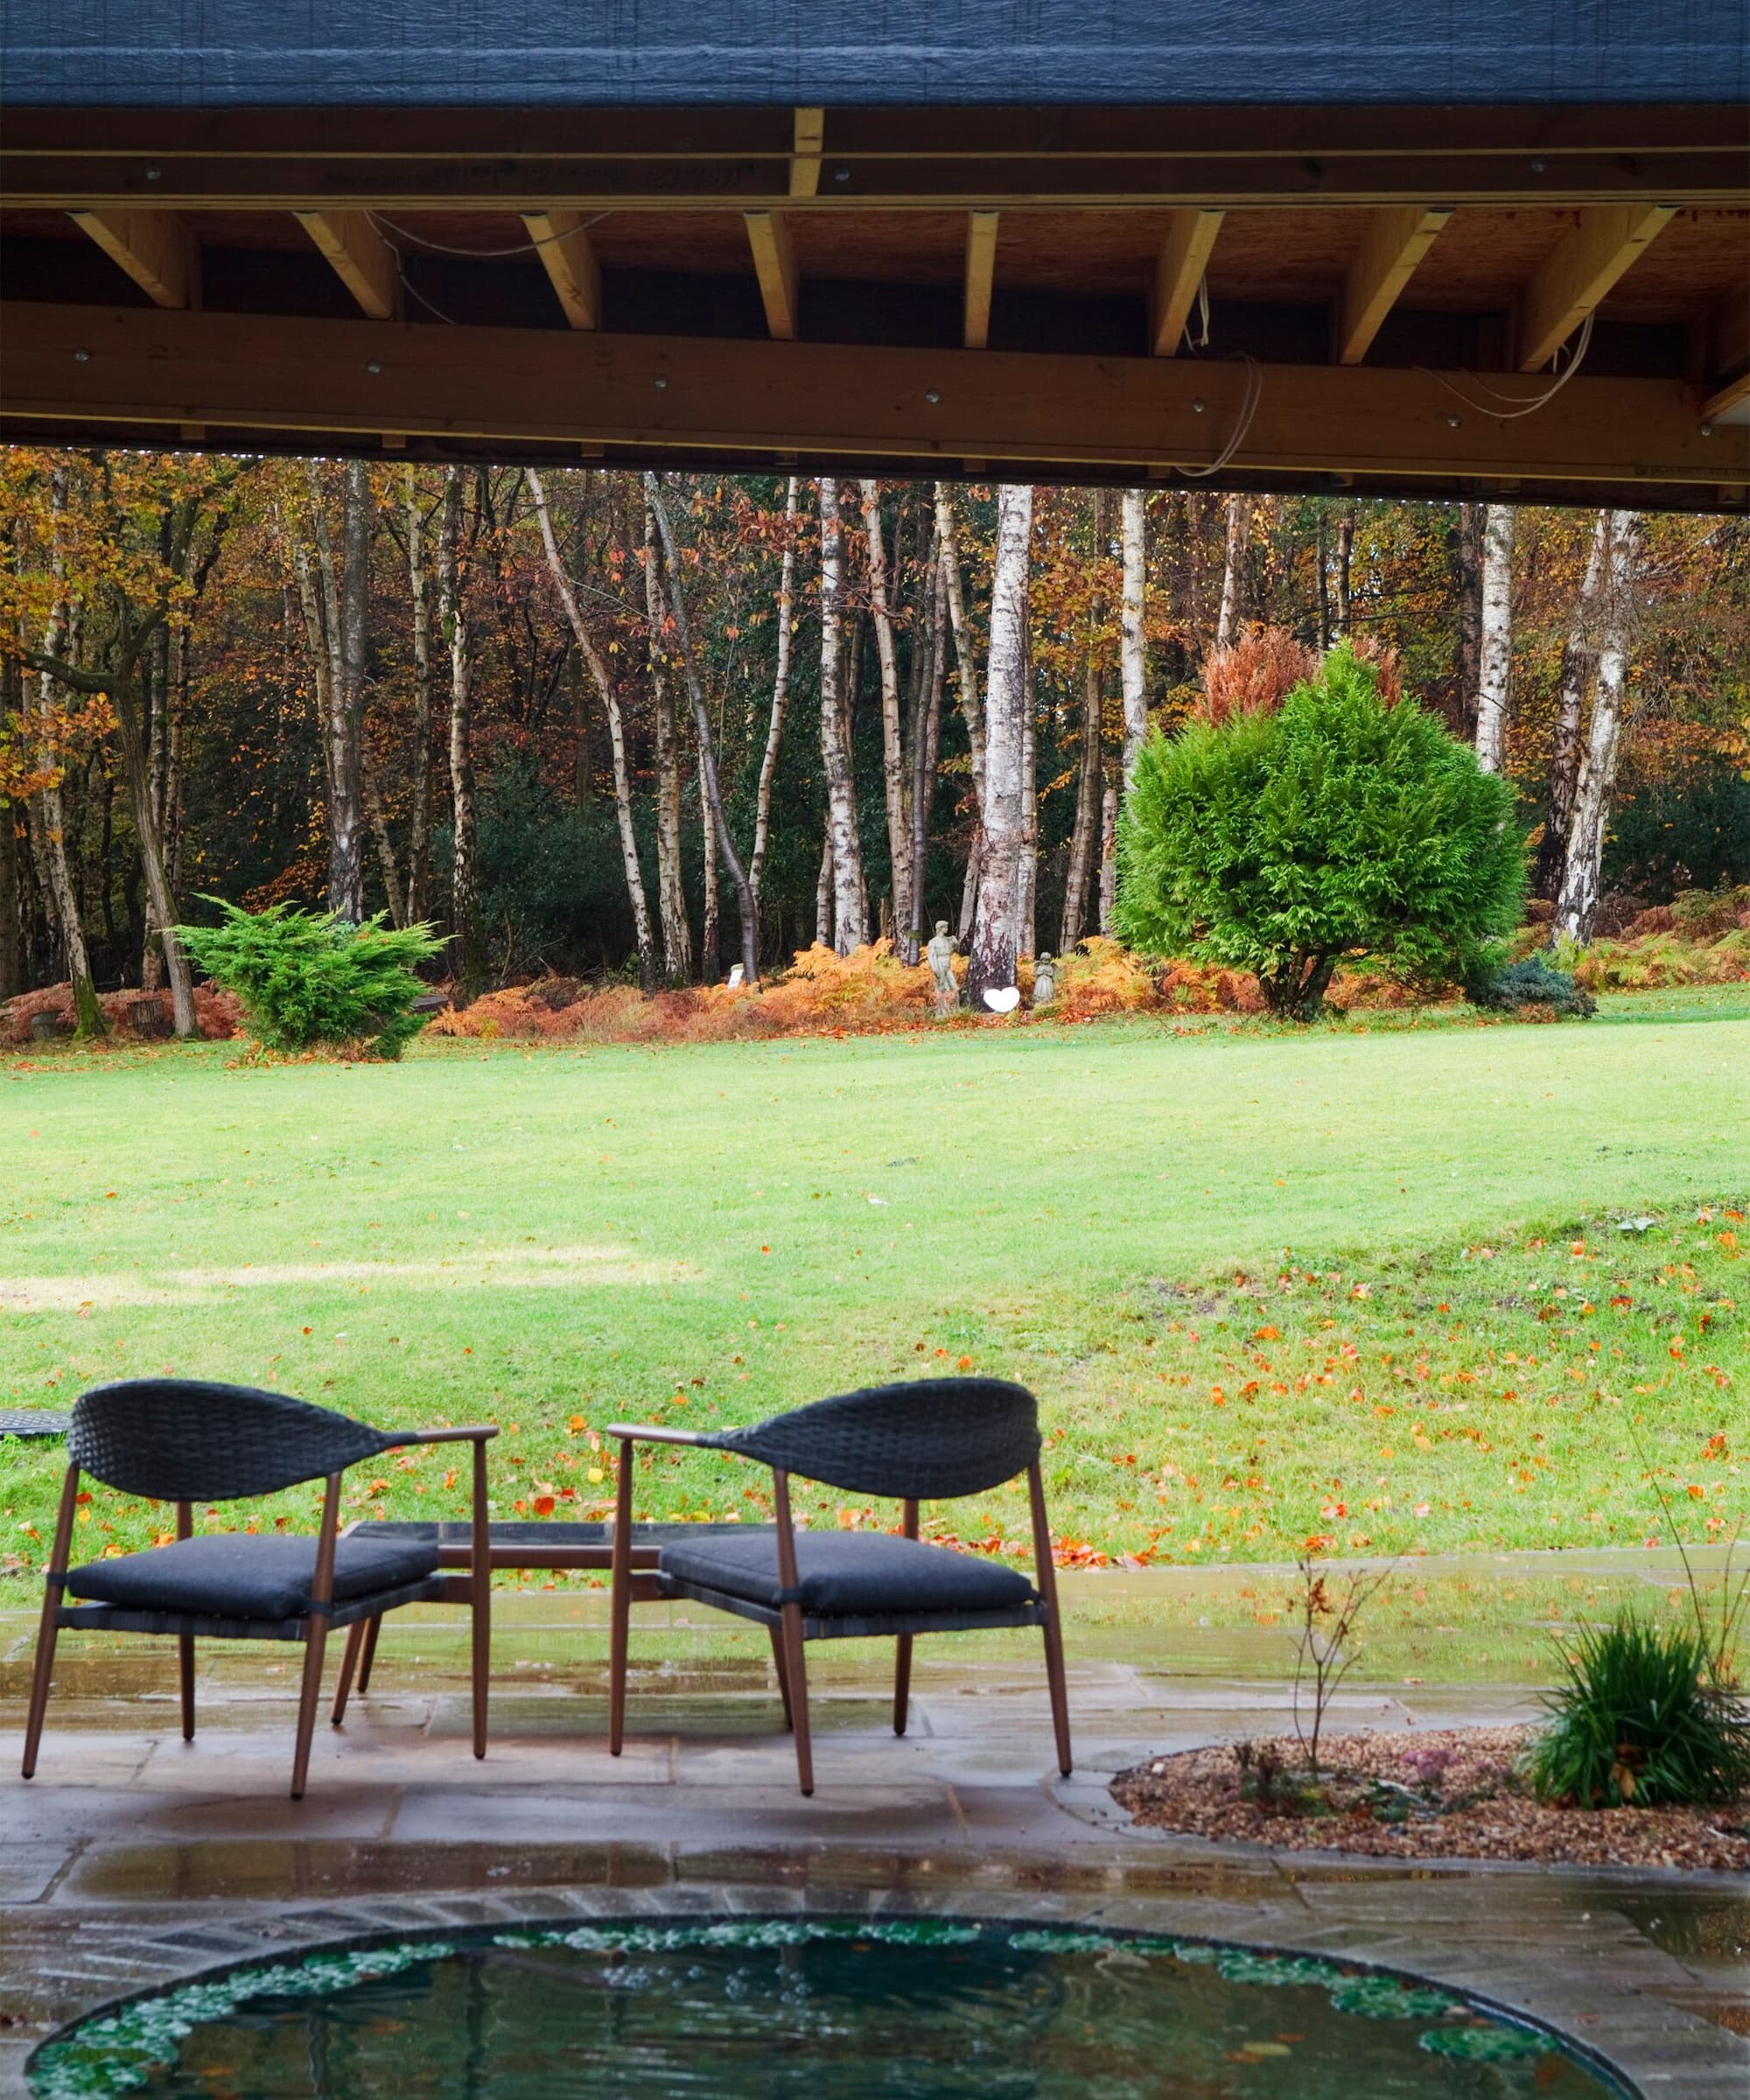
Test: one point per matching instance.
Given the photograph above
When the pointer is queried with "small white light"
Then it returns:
(1455, 422)
(1197, 408)
(841, 174)
(374, 369)
(82, 357)
(1707, 430)
(1540, 167)
(151, 174)
(659, 384)
(932, 396)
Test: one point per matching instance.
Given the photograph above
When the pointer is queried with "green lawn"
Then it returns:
(1365, 1286)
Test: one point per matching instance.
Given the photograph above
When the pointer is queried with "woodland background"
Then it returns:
(506, 702)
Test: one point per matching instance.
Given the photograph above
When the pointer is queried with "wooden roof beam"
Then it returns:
(1394, 244)
(981, 276)
(774, 265)
(1177, 272)
(1582, 268)
(363, 261)
(807, 140)
(569, 261)
(156, 249)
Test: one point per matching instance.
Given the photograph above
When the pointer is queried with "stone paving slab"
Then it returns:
(135, 1860)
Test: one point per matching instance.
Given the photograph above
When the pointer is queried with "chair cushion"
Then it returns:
(249, 1575)
(845, 1574)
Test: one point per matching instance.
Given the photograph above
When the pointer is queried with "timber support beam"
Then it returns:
(72, 368)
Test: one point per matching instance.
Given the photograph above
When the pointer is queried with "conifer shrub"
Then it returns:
(1535, 981)
(1338, 825)
(1644, 1718)
(311, 978)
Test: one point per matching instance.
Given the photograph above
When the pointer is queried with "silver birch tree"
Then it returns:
(846, 849)
(1495, 670)
(1132, 663)
(1578, 895)
(991, 965)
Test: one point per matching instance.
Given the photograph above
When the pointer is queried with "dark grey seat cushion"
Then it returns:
(849, 1573)
(246, 1575)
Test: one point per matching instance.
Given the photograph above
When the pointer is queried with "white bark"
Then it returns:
(781, 697)
(1494, 672)
(847, 931)
(616, 733)
(1577, 898)
(892, 740)
(995, 930)
(1233, 570)
(1132, 662)
(1579, 658)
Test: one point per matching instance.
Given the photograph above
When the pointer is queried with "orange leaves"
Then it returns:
(1265, 1334)
(964, 1363)
(1715, 1446)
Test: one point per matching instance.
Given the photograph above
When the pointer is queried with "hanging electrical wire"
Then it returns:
(1248, 408)
(1513, 406)
(484, 254)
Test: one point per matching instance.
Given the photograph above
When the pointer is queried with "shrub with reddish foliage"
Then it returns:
(1255, 675)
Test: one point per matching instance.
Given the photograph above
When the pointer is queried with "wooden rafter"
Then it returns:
(1177, 272)
(1395, 242)
(1581, 268)
(156, 249)
(363, 261)
(570, 263)
(805, 154)
(774, 265)
(981, 276)
(1731, 403)
(858, 403)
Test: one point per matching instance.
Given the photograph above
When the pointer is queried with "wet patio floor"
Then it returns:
(134, 1858)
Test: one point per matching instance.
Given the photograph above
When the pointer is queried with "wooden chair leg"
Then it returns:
(1060, 1692)
(783, 1679)
(48, 1627)
(373, 1628)
(185, 1662)
(315, 1643)
(902, 1682)
(619, 1627)
(355, 1636)
(796, 1674)
(315, 1632)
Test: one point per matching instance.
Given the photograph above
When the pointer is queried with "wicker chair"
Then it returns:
(177, 1440)
(929, 1440)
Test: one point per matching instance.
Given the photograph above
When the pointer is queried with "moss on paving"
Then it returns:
(1367, 1286)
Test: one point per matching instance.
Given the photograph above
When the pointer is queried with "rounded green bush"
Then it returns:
(1336, 826)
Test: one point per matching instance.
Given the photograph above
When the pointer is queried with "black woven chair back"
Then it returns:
(179, 1440)
(927, 1440)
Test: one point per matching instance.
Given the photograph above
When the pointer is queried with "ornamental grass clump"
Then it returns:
(311, 978)
(1338, 825)
(1644, 1720)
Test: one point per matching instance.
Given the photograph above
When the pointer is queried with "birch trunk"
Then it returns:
(971, 709)
(847, 851)
(465, 893)
(1132, 661)
(671, 895)
(49, 826)
(990, 964)
(344, 725)
(1239, 514)
(1577, 898)
(11, 919)
(1088, 785)
(709, 943)
(125, 694)
(1322, 557)
(823, 890)
(892, 740)
(1494, 668)
(927, 747)
(1026, 917)
(616, 736)
(1345, 548)
(419, 818)
(781, 698)
(1465, 562)
(710, 785)
(1579, 658)
(1108, 857)
(379, 822)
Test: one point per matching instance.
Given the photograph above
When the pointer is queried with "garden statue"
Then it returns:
(940, 955)
(1044, 981)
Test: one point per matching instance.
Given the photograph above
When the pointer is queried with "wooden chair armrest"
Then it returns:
(635, 1433)
(476, 1432)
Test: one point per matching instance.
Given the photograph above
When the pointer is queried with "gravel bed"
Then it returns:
(1439, 1794)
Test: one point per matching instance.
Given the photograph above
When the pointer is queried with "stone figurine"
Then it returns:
(940, 955)
(1044, 981)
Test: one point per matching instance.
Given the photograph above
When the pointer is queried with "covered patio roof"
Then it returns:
(1287, 247)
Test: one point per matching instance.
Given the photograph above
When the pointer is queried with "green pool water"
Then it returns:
(800, 2009)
